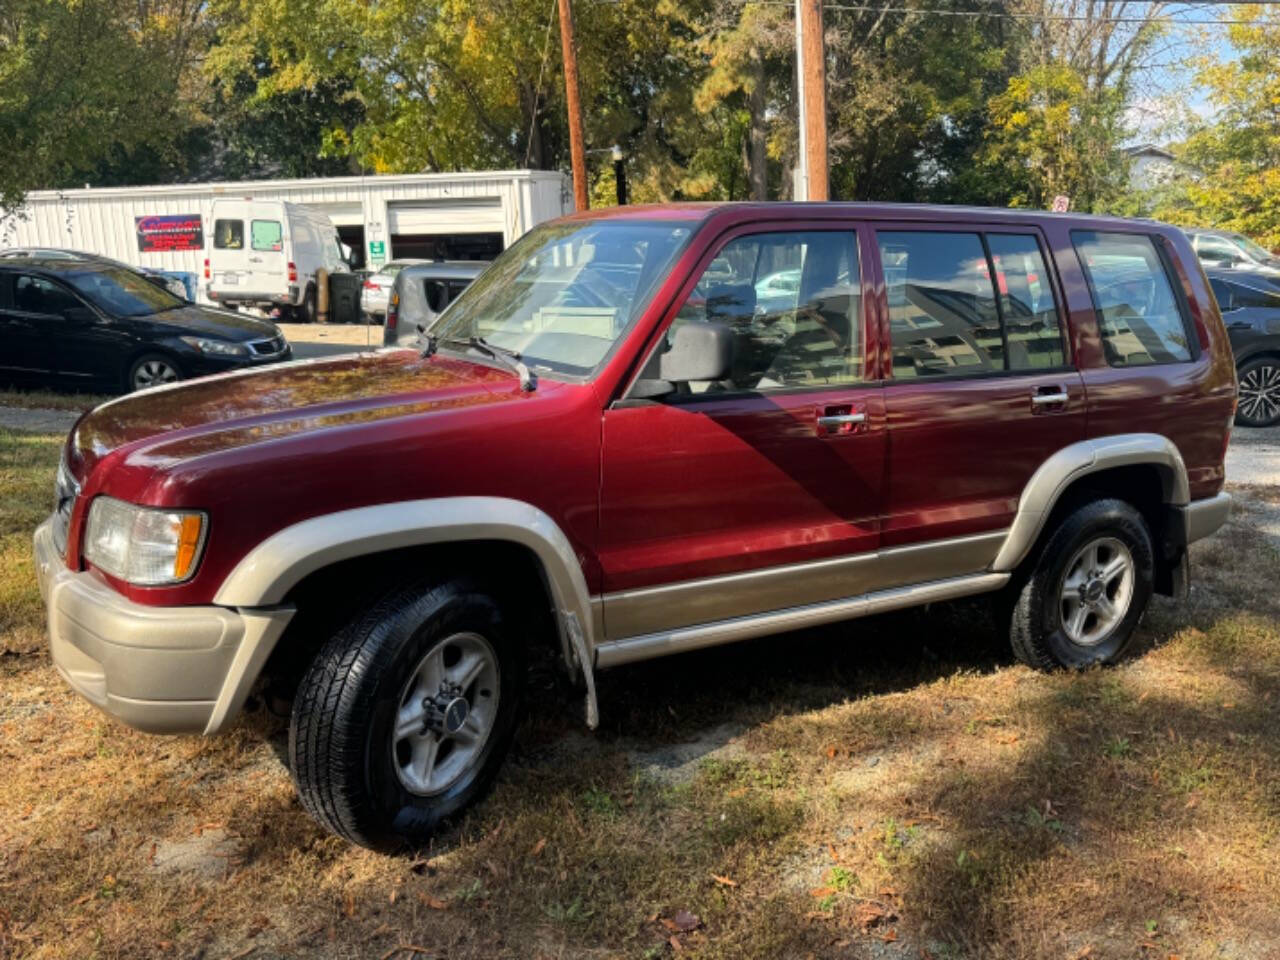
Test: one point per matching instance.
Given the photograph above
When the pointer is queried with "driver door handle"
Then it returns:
(840, 420)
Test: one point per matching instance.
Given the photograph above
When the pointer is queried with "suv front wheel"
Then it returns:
(1090, 586)
(405, 716)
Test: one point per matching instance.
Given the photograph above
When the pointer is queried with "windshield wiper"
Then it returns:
(511, 358)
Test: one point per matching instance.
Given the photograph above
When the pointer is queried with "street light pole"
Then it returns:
(577, 153)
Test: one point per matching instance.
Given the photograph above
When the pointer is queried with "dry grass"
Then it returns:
(890, 788)
(49, 399)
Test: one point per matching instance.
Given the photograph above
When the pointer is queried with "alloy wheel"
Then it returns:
(446, 712)
(1096, 591)
(1260, 393)
(153, 372)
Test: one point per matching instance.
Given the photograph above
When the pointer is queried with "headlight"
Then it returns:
(220, 348)
(143, 545)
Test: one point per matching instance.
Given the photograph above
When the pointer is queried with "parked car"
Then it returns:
(604, 449)
(1225, 249)
(267, 254)
(96, 325)
(420, 294)
(1250, 305)
(168, 279)
(377, 289)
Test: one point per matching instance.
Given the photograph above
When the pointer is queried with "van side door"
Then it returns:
(980, 390)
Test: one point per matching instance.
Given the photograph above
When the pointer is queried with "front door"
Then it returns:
(980, 391)
(763, 491)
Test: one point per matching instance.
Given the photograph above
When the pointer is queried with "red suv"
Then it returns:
(639, 432)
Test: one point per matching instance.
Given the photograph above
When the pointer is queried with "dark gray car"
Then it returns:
(1226, 249)
(420, 294)
(1250, 305)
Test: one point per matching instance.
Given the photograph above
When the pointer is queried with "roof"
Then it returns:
(445, 269)
(62, 264)
(1150, 150)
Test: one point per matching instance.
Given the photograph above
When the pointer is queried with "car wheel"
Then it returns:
(151, 370)
(306, 312)
(404, 717)
(1082, 602)
(1259, 396)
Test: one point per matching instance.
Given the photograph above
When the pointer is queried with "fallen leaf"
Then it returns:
(890, 935)
(817, 915)
(538, 847)
(1087, 949)
(652, 919)
(433, 902)
(740, 792)
(1225, 706)
(834, 855)
(1141, 697)
(686, 921)
(724, 881)
(868, 915)
(675, 944)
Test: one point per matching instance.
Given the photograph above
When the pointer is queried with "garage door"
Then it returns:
(482, 215)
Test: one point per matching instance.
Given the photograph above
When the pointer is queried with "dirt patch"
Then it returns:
(678, 763)
(208, 854)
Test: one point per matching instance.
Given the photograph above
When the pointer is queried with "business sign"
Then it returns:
(177, 231)
(1061, 204)
(377, 250)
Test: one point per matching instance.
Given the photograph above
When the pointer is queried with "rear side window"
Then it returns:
(228, 234)
(1027, 307)
(942, 307)
(1140, 317)
(41, 296)
(1250, 297)
(437, 295)
(267, 235)
(1222, 293)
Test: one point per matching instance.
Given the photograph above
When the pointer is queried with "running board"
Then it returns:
(613, 653)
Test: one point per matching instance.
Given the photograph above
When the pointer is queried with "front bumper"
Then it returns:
(202, 364)
(159, 669)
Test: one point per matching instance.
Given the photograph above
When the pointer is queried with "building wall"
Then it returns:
(102, 220)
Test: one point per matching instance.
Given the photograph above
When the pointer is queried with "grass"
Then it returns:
(49, 399)
(894, 787)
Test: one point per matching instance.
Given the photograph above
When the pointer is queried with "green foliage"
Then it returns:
(83, 80)
(1236, 153)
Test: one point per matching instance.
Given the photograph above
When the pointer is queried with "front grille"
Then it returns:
(65, 492)
(267, 348)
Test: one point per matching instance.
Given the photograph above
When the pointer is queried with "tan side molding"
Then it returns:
(1047, 484)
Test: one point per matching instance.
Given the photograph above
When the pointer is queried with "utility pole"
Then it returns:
(811, 71)
(799, 177)
(577, 153)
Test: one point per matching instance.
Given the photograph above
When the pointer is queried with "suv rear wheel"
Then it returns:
(404, 717)
(1090, 586)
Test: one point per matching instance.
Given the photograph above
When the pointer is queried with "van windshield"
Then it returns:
(565, 293)
(122, 293)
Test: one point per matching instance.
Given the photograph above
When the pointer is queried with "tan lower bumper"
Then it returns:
(159, 669)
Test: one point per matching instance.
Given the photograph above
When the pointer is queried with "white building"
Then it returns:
(1151, 166)
(451, 215)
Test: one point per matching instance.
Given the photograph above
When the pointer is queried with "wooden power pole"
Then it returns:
(812, 76)
(577, 152)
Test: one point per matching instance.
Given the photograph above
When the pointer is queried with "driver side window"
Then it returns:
(793, 304)
(40, 296)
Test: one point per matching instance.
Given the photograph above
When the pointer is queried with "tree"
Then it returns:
(83, 80)
(1236, 151)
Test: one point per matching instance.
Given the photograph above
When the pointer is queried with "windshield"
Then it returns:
(122, 293)
(565, 293)
(1254, 250)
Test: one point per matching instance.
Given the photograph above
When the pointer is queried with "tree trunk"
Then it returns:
(757, 157)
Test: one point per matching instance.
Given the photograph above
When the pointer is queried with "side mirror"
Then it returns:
(698, 351)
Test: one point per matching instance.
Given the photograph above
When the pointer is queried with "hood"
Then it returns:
(225, 324)
(212, 414)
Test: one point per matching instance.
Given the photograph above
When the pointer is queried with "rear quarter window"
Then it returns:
(1141, 319)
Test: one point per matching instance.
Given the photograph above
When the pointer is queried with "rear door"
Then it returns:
(980, 390)
(21, 352)
(267, 259)
(229, 250)
(763, 491)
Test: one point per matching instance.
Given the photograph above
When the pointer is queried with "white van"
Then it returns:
(265, 253)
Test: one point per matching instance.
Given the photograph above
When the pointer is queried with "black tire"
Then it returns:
(149, 369)
(306, 311)
(1037, 630)
(342, 752)
(1259, 396)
